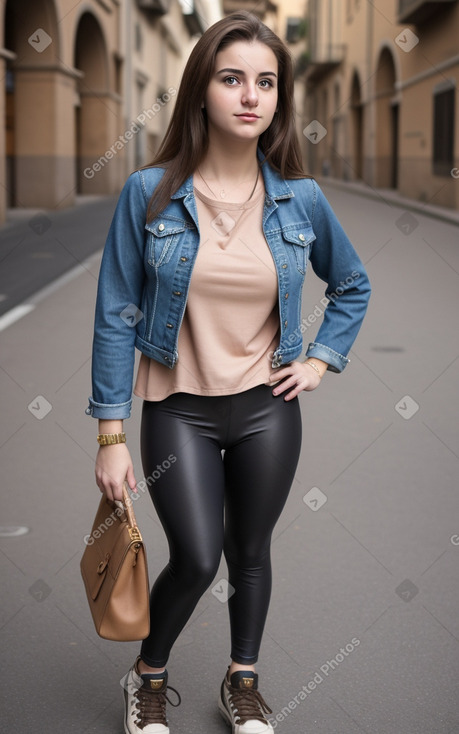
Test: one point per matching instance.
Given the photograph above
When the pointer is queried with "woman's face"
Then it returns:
(241, 98)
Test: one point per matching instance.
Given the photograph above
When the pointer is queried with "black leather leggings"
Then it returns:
(207, 504)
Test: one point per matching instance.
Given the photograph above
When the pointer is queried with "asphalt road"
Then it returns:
(37, 247)
(363, 629)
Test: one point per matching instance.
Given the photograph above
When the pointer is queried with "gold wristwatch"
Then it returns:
(105, 439)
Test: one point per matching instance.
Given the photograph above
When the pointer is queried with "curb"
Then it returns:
(392, 198)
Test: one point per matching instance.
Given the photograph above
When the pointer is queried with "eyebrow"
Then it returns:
(242, 73)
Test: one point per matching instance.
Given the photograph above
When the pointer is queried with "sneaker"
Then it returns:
(145, 701)
(242, 705)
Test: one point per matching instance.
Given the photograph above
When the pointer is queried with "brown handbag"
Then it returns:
(115, 573)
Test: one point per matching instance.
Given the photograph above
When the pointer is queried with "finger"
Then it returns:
(288, 383)
(280, 374)
(130, 478)
(111, 486)
(293, 393)
(100, 484)
(290, 370)
(108, 492)
(116, 494)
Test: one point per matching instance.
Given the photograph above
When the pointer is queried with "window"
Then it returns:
(9, 80)
(118, 64)
(293, 30)
(138, 41)
(443, 129)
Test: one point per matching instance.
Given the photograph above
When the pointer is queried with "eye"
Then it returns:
(265, 83)
(231, 81)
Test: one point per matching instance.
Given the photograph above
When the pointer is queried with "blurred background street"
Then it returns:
(363, 618)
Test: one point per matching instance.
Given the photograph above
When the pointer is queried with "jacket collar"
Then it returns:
(275, 186)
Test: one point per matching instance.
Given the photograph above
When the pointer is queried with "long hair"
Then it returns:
(186, 140)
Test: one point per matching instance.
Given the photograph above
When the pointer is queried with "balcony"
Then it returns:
(194, 15)
(324, 59)
(261, 8)
(155, 7)
(418, 11)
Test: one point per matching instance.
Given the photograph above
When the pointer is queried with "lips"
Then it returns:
(249, 115)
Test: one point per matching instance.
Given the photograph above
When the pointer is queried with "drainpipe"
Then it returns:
(330, 30)
(128, 78)
(368, 111)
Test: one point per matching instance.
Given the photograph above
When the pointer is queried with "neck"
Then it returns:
(233, 161)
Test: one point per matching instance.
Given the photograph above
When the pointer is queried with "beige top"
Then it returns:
(231, 320)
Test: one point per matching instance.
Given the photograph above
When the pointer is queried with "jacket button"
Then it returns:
(301, 237)
(177, 293)
(183, 259)
(268, 202)
(285, 323)
(169, 326)
(286, 295)
(284, 265)
(161, 227)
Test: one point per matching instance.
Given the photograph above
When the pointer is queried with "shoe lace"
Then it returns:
(151, 706)
(250, 705)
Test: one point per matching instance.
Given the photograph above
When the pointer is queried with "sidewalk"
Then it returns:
(393, 198)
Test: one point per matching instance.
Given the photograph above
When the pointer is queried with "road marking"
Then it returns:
(16, 313)
(13, 531)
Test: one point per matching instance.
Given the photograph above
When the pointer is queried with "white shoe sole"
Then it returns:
(224, 712)
(227, 717)
(149, 727)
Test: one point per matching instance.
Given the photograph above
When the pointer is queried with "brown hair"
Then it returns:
(186, 139)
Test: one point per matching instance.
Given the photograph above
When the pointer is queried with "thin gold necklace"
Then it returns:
(223, 193)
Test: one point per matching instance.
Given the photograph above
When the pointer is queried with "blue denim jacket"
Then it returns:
(146, 270)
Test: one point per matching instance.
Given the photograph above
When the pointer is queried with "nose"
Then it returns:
(250, 95)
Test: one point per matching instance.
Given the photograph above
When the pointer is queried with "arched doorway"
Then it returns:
(96, 111)
(336, 146)
(356, 129)
(386, 122)
(31, 40)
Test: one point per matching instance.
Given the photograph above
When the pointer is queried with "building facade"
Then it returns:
(266, 10)
(381, 101)
(88, 91)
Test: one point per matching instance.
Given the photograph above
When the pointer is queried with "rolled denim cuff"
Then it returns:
(117, 411)
(336, 361)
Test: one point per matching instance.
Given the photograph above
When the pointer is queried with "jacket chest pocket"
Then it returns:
(161, 241)
(298, 237)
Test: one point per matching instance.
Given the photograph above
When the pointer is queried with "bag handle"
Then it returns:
(127, 502)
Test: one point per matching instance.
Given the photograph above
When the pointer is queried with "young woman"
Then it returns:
(203, 271)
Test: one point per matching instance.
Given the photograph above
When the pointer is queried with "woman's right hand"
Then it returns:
(114, 466)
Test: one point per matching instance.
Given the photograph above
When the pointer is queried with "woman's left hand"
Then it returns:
(296, 375)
